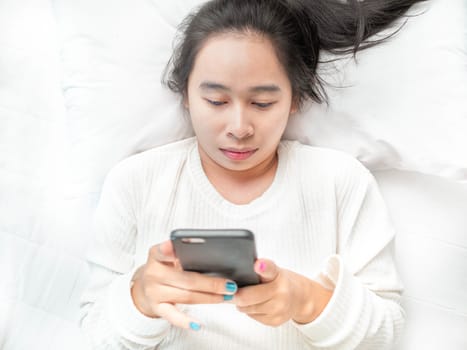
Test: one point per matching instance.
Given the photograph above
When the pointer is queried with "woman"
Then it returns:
(328, 279)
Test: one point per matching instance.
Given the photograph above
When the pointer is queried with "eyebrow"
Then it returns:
(209, 85)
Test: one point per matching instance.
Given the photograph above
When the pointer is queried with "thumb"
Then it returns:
(266, 269)
(166, 249)
(163, 252)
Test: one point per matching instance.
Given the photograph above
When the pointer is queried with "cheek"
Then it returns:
(203, 119)
(280, 120)
(196, 111)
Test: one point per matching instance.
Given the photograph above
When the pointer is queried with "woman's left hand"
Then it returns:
(281, 296)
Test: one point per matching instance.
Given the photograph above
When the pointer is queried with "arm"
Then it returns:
(364, 311)
(128, 307)
(356, 302)
(109, 318)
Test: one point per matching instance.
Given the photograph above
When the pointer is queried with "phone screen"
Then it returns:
(228, 253)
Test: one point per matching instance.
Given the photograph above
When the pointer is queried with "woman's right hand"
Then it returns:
(161, 283)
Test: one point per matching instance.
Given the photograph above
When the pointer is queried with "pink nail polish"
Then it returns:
(262, 266)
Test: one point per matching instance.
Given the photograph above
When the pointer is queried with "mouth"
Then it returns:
(238, 154)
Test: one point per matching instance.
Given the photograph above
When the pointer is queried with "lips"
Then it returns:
(238, 154)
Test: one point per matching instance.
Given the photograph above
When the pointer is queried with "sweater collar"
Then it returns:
(209, 192)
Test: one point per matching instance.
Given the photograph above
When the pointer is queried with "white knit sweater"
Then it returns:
(322, 217)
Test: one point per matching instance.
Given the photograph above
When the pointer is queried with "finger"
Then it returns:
(168, 294)
(176, 317)
(269, 307)
(165, 274)
(166, 249)
(266, 269)
(254, 295)
(195, 281)
(250, 296)
(162, 252)
(258, 294)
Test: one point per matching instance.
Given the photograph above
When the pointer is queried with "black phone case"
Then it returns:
(228, 253)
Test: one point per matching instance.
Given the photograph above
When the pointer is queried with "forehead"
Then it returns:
(238, 60)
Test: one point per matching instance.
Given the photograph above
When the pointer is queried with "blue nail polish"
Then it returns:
(228, 297)
(231, 287)
(195, 326)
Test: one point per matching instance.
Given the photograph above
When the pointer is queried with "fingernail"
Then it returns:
(231, 287)
(228, 297)
(262, 266)
(195, 326)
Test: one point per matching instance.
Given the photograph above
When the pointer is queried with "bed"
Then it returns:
(80, 90)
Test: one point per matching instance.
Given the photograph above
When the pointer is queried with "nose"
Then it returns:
(240, 126)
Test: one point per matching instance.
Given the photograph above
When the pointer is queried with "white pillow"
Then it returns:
(404, 104)
(405, 108)
(113, 54)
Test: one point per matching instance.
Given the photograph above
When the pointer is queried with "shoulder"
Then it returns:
(154, 160)
(324, 170)
(325, 161)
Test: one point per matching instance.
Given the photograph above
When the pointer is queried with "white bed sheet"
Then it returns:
(45, 220)
(41, 251)
(429, 214)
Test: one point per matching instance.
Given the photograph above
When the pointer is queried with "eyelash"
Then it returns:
(216, 103)
(258, 104)
(263, 105)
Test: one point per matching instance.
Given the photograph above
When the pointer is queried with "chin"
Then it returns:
(239, 166)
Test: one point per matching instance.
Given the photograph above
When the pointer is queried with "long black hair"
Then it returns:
(298, 30)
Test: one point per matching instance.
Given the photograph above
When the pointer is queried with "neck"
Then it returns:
(241, 186)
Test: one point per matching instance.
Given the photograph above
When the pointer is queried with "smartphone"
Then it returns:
(229, 253)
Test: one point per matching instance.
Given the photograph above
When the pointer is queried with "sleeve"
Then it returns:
(364, 310)
(109, 318)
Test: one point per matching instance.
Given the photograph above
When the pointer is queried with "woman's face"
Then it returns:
(239, 98)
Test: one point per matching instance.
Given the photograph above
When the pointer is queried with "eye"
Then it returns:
(262, 105)
(215, 103)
